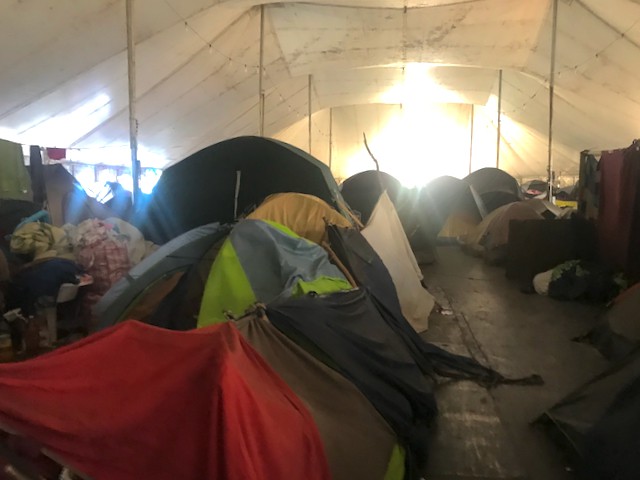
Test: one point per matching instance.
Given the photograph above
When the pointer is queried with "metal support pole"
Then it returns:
(499, 139)
(310, 111)
(471, 127)
(552, 83)
(330, 137)
(133, 123)
(261, 75)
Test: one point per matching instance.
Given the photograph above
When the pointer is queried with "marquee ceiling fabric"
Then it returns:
(65, 81)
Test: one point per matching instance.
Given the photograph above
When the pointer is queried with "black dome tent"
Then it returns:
(495, 187)
(362, 191)
(222, 181)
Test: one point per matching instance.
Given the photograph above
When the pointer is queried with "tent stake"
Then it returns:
(499, 119)
(261, 75)
(552, 84)
(133, 123)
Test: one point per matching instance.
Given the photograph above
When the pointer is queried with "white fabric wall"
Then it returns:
(298, 135)
(523, 150)
(413, 144)
(417, 144)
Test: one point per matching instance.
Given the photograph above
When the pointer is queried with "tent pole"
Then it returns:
(552, 84)
(133, 123)
(309, 106)
(471, 127)
(261, 75)
(499, 119)
(330, 137)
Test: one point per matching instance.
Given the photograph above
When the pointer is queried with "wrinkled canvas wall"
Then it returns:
(419, 144)
(65, 84)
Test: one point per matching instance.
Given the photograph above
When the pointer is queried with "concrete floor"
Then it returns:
(486, 434)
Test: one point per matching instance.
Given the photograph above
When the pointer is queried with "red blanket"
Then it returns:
(137, 402)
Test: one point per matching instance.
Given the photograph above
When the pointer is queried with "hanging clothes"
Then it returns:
(15, 183)
(56, 153)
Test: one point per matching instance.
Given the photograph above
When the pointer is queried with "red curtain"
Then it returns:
(619, 215)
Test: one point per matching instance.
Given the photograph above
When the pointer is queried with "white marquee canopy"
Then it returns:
(413, 74)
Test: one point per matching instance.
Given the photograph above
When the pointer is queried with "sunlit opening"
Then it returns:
(94, 167)
(428, 136)
(116, 155)
(94, 178)
(419, 88)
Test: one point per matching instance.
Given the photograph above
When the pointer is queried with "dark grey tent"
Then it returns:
(444, 197)
(496, 187)
(220, 182)
(369, 272)
(600, 422)
(347, 332)
(160, 277)
(362, 191)
(534, 189)
(619, 331)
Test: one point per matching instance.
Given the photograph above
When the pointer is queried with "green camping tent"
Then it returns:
(159, 272)
(260, 262)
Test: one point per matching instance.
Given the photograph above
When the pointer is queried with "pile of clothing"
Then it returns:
(46, 258)
(580, 280)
